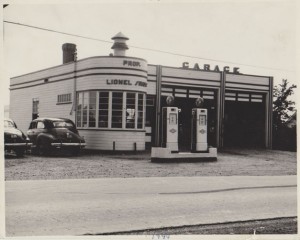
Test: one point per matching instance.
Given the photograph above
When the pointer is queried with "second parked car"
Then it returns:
(47, 134)
(14, 139)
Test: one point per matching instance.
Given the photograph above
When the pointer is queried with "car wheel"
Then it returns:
(43, 148)
(20, 153)
(75, 151)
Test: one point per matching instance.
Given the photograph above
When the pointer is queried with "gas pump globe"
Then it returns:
(170, 125)
(199, 127)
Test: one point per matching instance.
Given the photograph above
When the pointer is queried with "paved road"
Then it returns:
(91, 206)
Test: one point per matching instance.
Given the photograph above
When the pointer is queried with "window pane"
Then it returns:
(117, 107)
(79, 109)
(103, 110)
(40, 125)
(140, 111)
(92, 109)
(130, 110)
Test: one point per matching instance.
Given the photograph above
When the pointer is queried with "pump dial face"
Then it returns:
(173, 119)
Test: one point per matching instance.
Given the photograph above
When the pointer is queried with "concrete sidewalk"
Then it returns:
(91, 206)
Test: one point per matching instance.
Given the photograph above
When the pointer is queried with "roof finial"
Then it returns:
(119, 45)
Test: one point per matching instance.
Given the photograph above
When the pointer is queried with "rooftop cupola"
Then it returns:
(119, 45)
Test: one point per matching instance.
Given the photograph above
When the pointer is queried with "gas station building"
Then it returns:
(116, 101)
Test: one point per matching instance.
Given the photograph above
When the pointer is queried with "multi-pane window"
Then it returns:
(104, 109)
(141, 111)
(64, 98)
(79, 109)
(92, 109)
(130, 110)
(35, 108)
(117, 110)
(85, 109)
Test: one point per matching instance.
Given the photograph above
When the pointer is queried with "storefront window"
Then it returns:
(103, 109)
(85, 109)
(92, 109)
(117, 110)
(130, 110)
(79, 109)
(140, 111)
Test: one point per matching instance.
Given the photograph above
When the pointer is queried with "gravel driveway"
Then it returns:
(89, 164)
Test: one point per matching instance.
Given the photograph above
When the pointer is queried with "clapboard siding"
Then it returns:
(151, 70)
(152, 78)
(110, 62)
(103, 140)
(151, 88)
(21, 102)
(93, 62)
(46, 73)
(193, 74)
(247, 79)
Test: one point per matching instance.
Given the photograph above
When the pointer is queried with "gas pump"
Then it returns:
(170, 126)
(199, 127)
(168, 151)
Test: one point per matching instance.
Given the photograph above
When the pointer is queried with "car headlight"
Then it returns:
(14, 136)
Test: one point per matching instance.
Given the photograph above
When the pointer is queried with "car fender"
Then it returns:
(45, 137)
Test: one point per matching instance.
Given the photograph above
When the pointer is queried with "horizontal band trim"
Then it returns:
(247, 89)
(81, 60)
(196, 79)
(167, 84)
(82, 70)
(79, 76)
(251, 84)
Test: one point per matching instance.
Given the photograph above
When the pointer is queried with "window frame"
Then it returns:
(64, 98)
(123, 109)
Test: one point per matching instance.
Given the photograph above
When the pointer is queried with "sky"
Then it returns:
(259, 37)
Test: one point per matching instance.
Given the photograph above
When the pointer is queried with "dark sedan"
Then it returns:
(14, 139)
(47, 134)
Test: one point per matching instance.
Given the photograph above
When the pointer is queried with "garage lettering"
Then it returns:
(207, 67)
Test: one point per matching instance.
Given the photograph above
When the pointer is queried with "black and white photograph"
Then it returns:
(150, 119)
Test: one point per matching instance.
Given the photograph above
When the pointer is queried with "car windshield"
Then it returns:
(63, 124)
(8, 124)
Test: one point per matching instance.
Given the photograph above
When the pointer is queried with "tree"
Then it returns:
(283, 108)
(284, 137)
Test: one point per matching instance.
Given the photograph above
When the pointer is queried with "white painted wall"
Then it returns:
(21, 102)
(103, 140)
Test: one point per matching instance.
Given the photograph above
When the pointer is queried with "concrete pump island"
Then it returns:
(199, 148)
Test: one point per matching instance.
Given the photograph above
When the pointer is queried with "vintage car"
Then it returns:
(14, 139)
(47, 134)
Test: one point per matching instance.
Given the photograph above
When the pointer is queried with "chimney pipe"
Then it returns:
(69, 52)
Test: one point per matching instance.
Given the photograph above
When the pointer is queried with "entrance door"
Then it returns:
(244, 123)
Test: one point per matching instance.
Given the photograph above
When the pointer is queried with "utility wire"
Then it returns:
(64, 33)
(142, 48)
